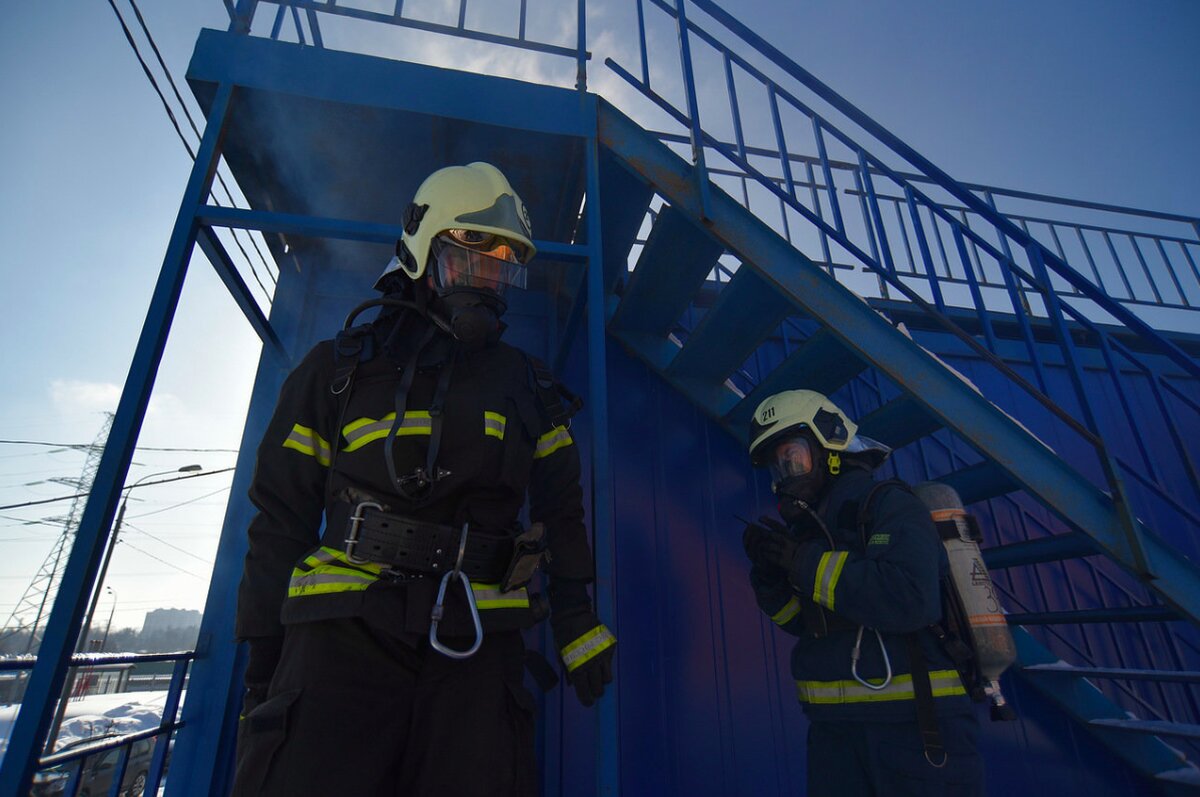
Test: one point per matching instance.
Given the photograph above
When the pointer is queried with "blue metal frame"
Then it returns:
(49, 672)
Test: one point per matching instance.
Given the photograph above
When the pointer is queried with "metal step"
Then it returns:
(728, 334)
(980, 482)
(899, 422)
(1169, 676)
(671, 269)
(1119, 614)
(1070, 545)
(821, 363)
(624, 199)
(1152, 727)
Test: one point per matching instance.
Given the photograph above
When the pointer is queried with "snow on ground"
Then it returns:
(98, 715)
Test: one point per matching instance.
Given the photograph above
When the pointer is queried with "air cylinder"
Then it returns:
(991, 641)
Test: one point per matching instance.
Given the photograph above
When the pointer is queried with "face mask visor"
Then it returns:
(790, 458)
(494, 268)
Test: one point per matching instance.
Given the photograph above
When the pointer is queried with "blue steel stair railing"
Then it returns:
(241, 20)
(1028, 279)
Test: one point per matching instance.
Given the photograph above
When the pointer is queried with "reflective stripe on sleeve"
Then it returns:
(307, 441)
(489, 596)
(587, 647)
(366, 430)
(551, 441)
(945, 683)
(829, 570)
(493, 424)
(789, 610)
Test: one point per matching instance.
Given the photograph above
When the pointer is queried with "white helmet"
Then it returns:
(470, 207)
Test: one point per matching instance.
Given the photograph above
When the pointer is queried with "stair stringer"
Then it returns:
(944, 394)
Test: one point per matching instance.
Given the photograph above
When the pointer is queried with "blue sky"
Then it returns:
(1094, 99)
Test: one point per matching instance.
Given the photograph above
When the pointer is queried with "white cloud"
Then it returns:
(74, 397)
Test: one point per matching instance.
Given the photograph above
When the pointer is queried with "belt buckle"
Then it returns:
(352, 535)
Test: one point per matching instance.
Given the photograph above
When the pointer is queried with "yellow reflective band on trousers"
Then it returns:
(551, 441)
(789, 610)
(327, 570)
(587, 647)
(493, 424)
(489, 596)
(366, 430)
(307, 441)
(829, 570)
(945, 683)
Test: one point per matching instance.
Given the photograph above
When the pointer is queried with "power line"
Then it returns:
(163, 561)
(84, 446)
(84, 495)
(179, 131)
(181, 503)
(160, 540)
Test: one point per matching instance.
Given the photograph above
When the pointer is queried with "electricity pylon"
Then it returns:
(39, 595)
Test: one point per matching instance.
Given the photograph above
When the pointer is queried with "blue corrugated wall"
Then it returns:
(707, 705)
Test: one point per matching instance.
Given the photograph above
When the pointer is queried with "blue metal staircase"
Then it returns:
(728, 310)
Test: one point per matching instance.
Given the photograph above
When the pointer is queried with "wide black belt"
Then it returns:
(417, 546)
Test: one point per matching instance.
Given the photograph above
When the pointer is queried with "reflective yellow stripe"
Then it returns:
(493, 424)
(829, 570)
(327, 570)
(307, 441)
(587, 647)
(489, 596)
(789, 610)
(944, 683)
(367, 430)
(551, 441)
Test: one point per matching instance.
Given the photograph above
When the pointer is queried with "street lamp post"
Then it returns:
(111, 612)
(112, 544)
(81, 645)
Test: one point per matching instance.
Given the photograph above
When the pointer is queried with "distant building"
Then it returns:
(164, 619)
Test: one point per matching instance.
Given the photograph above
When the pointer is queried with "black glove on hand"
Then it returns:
(587, 650)
(771, 546)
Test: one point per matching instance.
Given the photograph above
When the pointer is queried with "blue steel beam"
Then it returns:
(901, 421)
(979, 482)
(1155, 728)
(355, 79)
(940, 392)
(343, 229)
(1070, 545)
(1117, 614)
(608, 759)
(238, 289)
(46, 680)
(1113, 673)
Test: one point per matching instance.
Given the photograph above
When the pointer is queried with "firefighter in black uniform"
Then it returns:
(855, 576)
(385, 649)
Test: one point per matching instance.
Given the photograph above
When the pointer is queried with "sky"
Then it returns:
(1094, 99)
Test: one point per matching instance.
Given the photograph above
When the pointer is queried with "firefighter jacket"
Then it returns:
(323, 452)
(890, 584)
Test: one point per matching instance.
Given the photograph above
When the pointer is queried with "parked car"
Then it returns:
(98, 770)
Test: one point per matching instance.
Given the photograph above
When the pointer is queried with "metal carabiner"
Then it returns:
(435, 616)
(856, 653)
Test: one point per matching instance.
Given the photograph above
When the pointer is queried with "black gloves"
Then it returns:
(587, 650)
(771, 547)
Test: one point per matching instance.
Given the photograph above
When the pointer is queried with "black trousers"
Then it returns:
(885, 759)
(354, 713)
